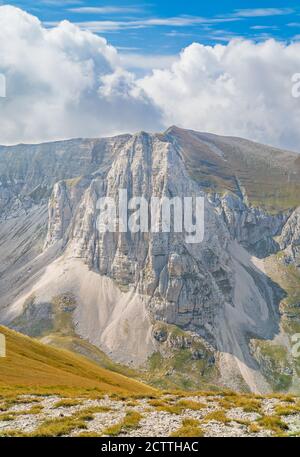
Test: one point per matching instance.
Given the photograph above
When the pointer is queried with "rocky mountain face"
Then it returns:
(193, 314)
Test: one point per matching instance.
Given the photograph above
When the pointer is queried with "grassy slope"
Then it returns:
(74, 343)
(276, 358)
(30, 363)
(59, 331)
(267, 176)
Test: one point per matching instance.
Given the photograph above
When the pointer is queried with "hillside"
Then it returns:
(265, 176)
(194, 315)
(30, 363)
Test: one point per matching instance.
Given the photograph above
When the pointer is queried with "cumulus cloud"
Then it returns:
(65, 82)
(241, 88)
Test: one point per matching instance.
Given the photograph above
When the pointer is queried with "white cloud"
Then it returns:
(58, 82)
(176, 21)
(61, 2)
(264, 27)
(105, 9)
(263, 12)
(66, 82)
(241, 89)
(136, 61)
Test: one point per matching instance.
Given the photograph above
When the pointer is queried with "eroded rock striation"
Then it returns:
(125, 283)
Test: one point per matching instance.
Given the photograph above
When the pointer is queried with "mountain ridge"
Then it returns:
(217, 293)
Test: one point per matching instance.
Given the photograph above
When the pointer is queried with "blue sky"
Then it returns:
(166, 27)
(152, 71)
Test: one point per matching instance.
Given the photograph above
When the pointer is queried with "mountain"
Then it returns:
(31, 363)
(222, 311)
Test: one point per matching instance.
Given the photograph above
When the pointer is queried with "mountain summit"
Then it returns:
(222, 312)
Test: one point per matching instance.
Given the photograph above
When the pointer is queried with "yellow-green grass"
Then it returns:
(31, 366)
(87, 434)
(10, 399)
(172, 407)
(130, 421)
(254, 428)
(288, 410)
(73, 343)
(62, 425)
(218, 415)
(287, 398)
(11, 415)
(191, 404)
(67, 403)
(166, 406)
(132, 403)
(65, 425)
(189, 428)
(273, 423)
(268, 178)
(59, 331)
(246, 402)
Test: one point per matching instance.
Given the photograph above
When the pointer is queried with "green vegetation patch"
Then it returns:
(219, 416)
(131, 421)
(274, 362)
(246, 402)
(189, 428)
(273, 423)
(183, 361)
(67, 403)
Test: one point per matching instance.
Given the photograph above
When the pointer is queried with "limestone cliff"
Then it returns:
(125, 285)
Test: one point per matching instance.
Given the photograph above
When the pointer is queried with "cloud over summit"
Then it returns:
(59, 83)
(65, 82)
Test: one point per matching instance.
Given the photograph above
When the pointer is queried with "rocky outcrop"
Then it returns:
(251, 226)
(186, 284)
(290, 238)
